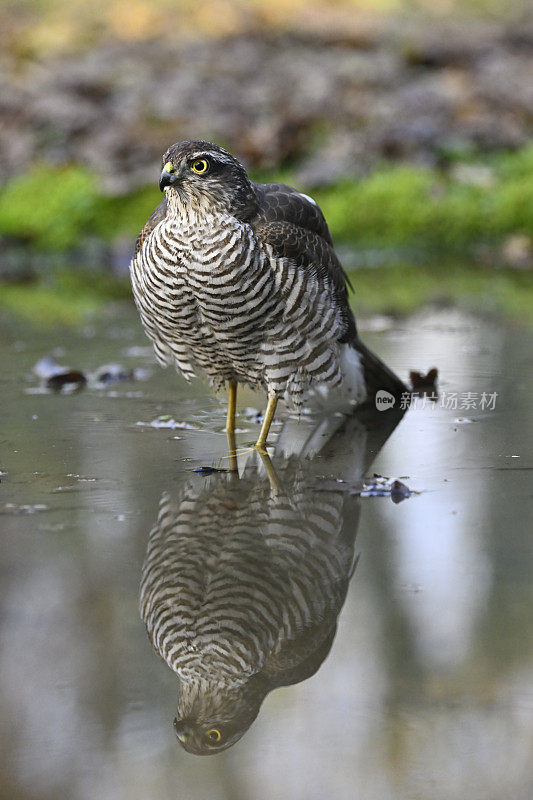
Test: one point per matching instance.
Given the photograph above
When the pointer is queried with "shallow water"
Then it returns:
(425, 691)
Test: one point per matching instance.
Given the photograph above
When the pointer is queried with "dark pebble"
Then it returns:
(73, 379)
(114, 373)
(399, 492)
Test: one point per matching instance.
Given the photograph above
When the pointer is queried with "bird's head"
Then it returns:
(200, 174)
(212, 718)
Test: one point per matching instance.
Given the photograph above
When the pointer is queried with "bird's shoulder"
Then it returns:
(158, 214)
(299, 658)
(277, 202)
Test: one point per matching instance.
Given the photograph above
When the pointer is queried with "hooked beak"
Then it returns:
(183, 731)
(168, 176)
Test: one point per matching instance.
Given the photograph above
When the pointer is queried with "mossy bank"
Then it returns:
(419, 221)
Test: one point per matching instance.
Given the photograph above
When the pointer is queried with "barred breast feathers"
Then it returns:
(225, 592)
(212, 295)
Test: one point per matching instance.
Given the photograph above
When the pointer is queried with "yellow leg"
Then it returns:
(233, 465)
(270, 471)
(232, 405)
(267, 422)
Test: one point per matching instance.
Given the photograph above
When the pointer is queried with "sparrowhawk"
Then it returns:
(244, 579)
(239, 280)
(241, 589)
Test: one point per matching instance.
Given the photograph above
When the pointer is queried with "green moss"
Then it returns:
(395, 209)
(49, 206)
(408, 205)
(55, 208)
(125, 216)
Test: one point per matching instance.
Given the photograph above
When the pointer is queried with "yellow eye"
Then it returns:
(200, 166)
(213, 735)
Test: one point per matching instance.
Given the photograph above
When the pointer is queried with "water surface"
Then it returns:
(420, 682)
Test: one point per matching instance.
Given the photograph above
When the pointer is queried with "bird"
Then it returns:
(242, 583)
(239, 281)
(240, 594)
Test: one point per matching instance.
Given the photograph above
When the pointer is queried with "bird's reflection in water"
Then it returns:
(244, 578)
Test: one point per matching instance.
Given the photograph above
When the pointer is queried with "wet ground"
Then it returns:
(425, 690)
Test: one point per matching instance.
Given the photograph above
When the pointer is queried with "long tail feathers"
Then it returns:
(377, 374)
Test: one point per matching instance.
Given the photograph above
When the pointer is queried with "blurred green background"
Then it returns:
(409, 122)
